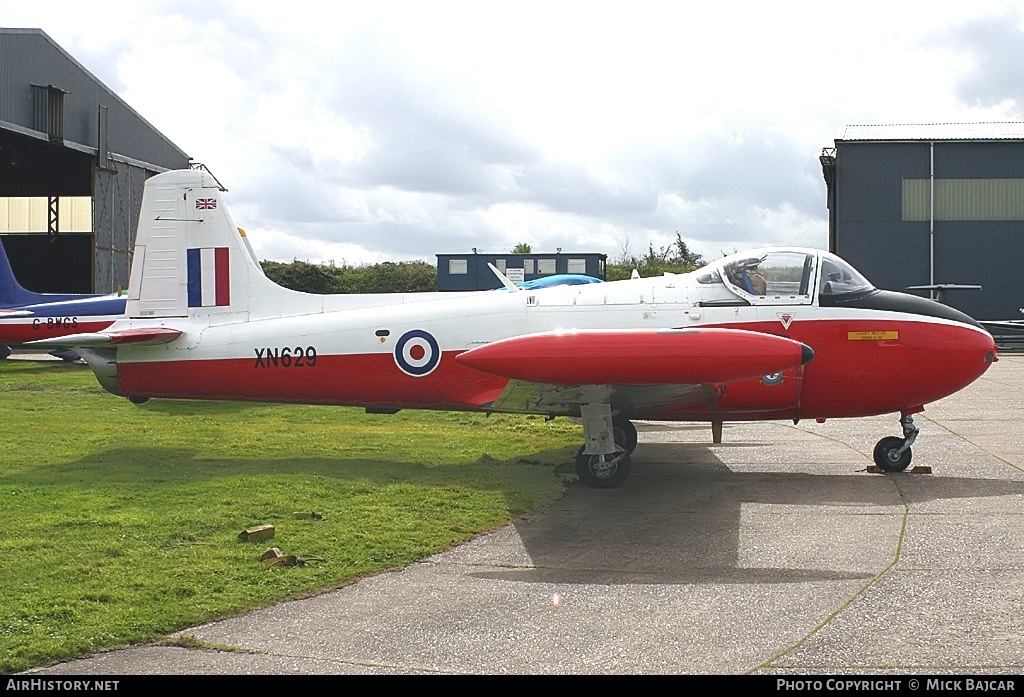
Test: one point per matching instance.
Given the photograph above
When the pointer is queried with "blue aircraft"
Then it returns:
(560, 279)
(27, 316)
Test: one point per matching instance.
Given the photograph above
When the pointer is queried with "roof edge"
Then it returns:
(103, 85)
(980, 130)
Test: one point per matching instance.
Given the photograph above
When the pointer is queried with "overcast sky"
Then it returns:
(362, 132)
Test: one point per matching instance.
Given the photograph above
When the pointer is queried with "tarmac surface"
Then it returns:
(775, 552)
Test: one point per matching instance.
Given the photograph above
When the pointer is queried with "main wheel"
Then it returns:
(624, 433)
(602, 473)
(888, 458)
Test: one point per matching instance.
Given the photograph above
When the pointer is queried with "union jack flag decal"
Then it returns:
(204, 204)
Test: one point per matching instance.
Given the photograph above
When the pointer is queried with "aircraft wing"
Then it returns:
(8, 313)
(156, 335)
(638, 357)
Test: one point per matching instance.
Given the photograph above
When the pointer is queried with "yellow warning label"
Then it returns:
(878, 335)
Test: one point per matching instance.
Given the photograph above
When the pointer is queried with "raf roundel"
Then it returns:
(417, 353)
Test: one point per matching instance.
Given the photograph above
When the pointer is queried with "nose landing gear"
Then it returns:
(893, 454)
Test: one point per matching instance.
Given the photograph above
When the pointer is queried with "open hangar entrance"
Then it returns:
(36, 177)
(74, 158)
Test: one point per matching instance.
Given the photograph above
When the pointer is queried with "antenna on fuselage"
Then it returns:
(503, 278)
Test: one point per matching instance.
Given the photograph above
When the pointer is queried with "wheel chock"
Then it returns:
(920, 469)
(260, 532)
(273, 557)
(284, 560)
(308, 515)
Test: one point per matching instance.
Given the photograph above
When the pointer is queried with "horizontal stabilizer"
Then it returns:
(156, 335)
(636, 357)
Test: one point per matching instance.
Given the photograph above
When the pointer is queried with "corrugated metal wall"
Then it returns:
(32, 214)
(116, 213)
(884, 220)
(30, 57)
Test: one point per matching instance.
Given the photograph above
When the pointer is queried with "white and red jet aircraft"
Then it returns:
(731, 341)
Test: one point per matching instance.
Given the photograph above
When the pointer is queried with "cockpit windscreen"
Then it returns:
(839, 278)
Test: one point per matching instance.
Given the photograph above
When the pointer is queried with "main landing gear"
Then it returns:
(604, 460)
(892, 454)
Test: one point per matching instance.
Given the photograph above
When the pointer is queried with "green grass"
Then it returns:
(121, 523)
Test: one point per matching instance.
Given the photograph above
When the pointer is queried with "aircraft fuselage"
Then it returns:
(403, 355)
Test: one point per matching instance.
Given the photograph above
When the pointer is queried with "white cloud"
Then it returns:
(398, 130)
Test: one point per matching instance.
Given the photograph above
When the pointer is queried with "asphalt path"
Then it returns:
(775, 552)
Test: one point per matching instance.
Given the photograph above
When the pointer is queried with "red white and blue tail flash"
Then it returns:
(209, 277)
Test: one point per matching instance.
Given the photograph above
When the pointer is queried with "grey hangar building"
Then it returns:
(934, 207)
(65, 136)
(938, 208)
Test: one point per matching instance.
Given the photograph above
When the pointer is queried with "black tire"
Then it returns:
(885, 454)
(624, 433)
(5, 351)
(66, 355)
(602, 475)
(138, 400)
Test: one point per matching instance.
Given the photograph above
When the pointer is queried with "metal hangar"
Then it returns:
(937, 208)
(64, 135)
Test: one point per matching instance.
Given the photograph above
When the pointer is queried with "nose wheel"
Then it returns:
(892, 453)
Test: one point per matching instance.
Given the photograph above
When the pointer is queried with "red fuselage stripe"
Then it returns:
(860, 368)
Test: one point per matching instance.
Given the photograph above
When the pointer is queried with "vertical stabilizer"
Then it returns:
(11, 292)
(190, 258)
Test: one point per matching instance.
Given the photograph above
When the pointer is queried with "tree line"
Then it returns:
(673, 258)
(421, 276)
(385, 277)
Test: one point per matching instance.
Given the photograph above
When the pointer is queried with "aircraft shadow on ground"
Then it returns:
(680, 519)
(123, 469)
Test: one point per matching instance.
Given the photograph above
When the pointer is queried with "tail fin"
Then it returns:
(11, 292)
(190, 258)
